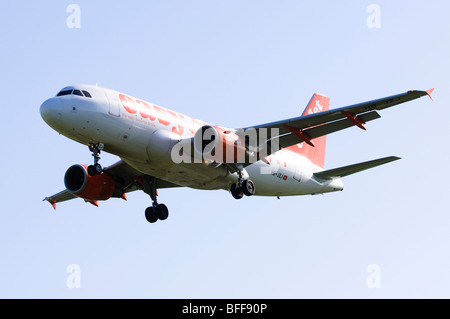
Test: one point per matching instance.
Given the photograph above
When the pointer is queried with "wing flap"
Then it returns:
(355, 168)
(321, 130)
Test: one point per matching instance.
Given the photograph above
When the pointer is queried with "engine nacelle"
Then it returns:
(91, 188)
(216, 144)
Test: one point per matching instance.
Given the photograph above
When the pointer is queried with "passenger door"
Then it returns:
(114, 104)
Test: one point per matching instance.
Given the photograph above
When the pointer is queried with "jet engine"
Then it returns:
(216, 144)
(91, 188)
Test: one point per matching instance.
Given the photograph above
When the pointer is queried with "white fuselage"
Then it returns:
(142, 135)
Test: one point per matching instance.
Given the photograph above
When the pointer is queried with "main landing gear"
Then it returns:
(242, 187)
(156, 211)
(96, 150)
(238, 190)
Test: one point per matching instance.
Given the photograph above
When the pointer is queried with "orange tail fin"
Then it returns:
(316, 153)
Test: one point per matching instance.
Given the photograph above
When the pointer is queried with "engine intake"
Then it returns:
(213, 143)
(91, 188)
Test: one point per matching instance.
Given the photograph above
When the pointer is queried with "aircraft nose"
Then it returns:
(51, 111)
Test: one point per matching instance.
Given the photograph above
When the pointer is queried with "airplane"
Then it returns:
(160, 148)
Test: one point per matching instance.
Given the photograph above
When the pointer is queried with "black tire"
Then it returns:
(98, 168)
(162, 212)
(91, 170)
(248, 187)
(150, 214)
(236, 191)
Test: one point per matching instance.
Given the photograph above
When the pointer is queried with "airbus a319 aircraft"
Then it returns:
(160, 148)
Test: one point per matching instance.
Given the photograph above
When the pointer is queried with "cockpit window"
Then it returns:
(86, 94)
(75, 92)
(64, 92)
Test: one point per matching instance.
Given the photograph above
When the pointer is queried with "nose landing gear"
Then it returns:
(96, 150)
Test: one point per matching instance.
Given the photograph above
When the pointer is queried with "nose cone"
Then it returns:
(51, 111)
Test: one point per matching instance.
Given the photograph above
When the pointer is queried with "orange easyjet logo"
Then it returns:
(157, 113)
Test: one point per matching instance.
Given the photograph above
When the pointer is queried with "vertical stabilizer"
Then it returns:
(316, 153)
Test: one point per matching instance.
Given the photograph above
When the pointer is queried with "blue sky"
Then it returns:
(234, 64)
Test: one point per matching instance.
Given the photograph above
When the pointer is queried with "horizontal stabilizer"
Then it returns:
(355, 168)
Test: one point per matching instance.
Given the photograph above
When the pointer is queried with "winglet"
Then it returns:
(429, 92)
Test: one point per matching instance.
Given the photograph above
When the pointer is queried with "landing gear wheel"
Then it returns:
(98, 168)
(96, 150)
(156, 211)
(95, 169)
(162, 212)
(151, 215)
(236, 191)
(91, 170)
(248, 187)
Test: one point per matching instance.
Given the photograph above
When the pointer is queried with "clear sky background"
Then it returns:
(231, 63)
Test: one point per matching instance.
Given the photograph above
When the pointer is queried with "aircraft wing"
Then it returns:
(127, 180)
(306, 128)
